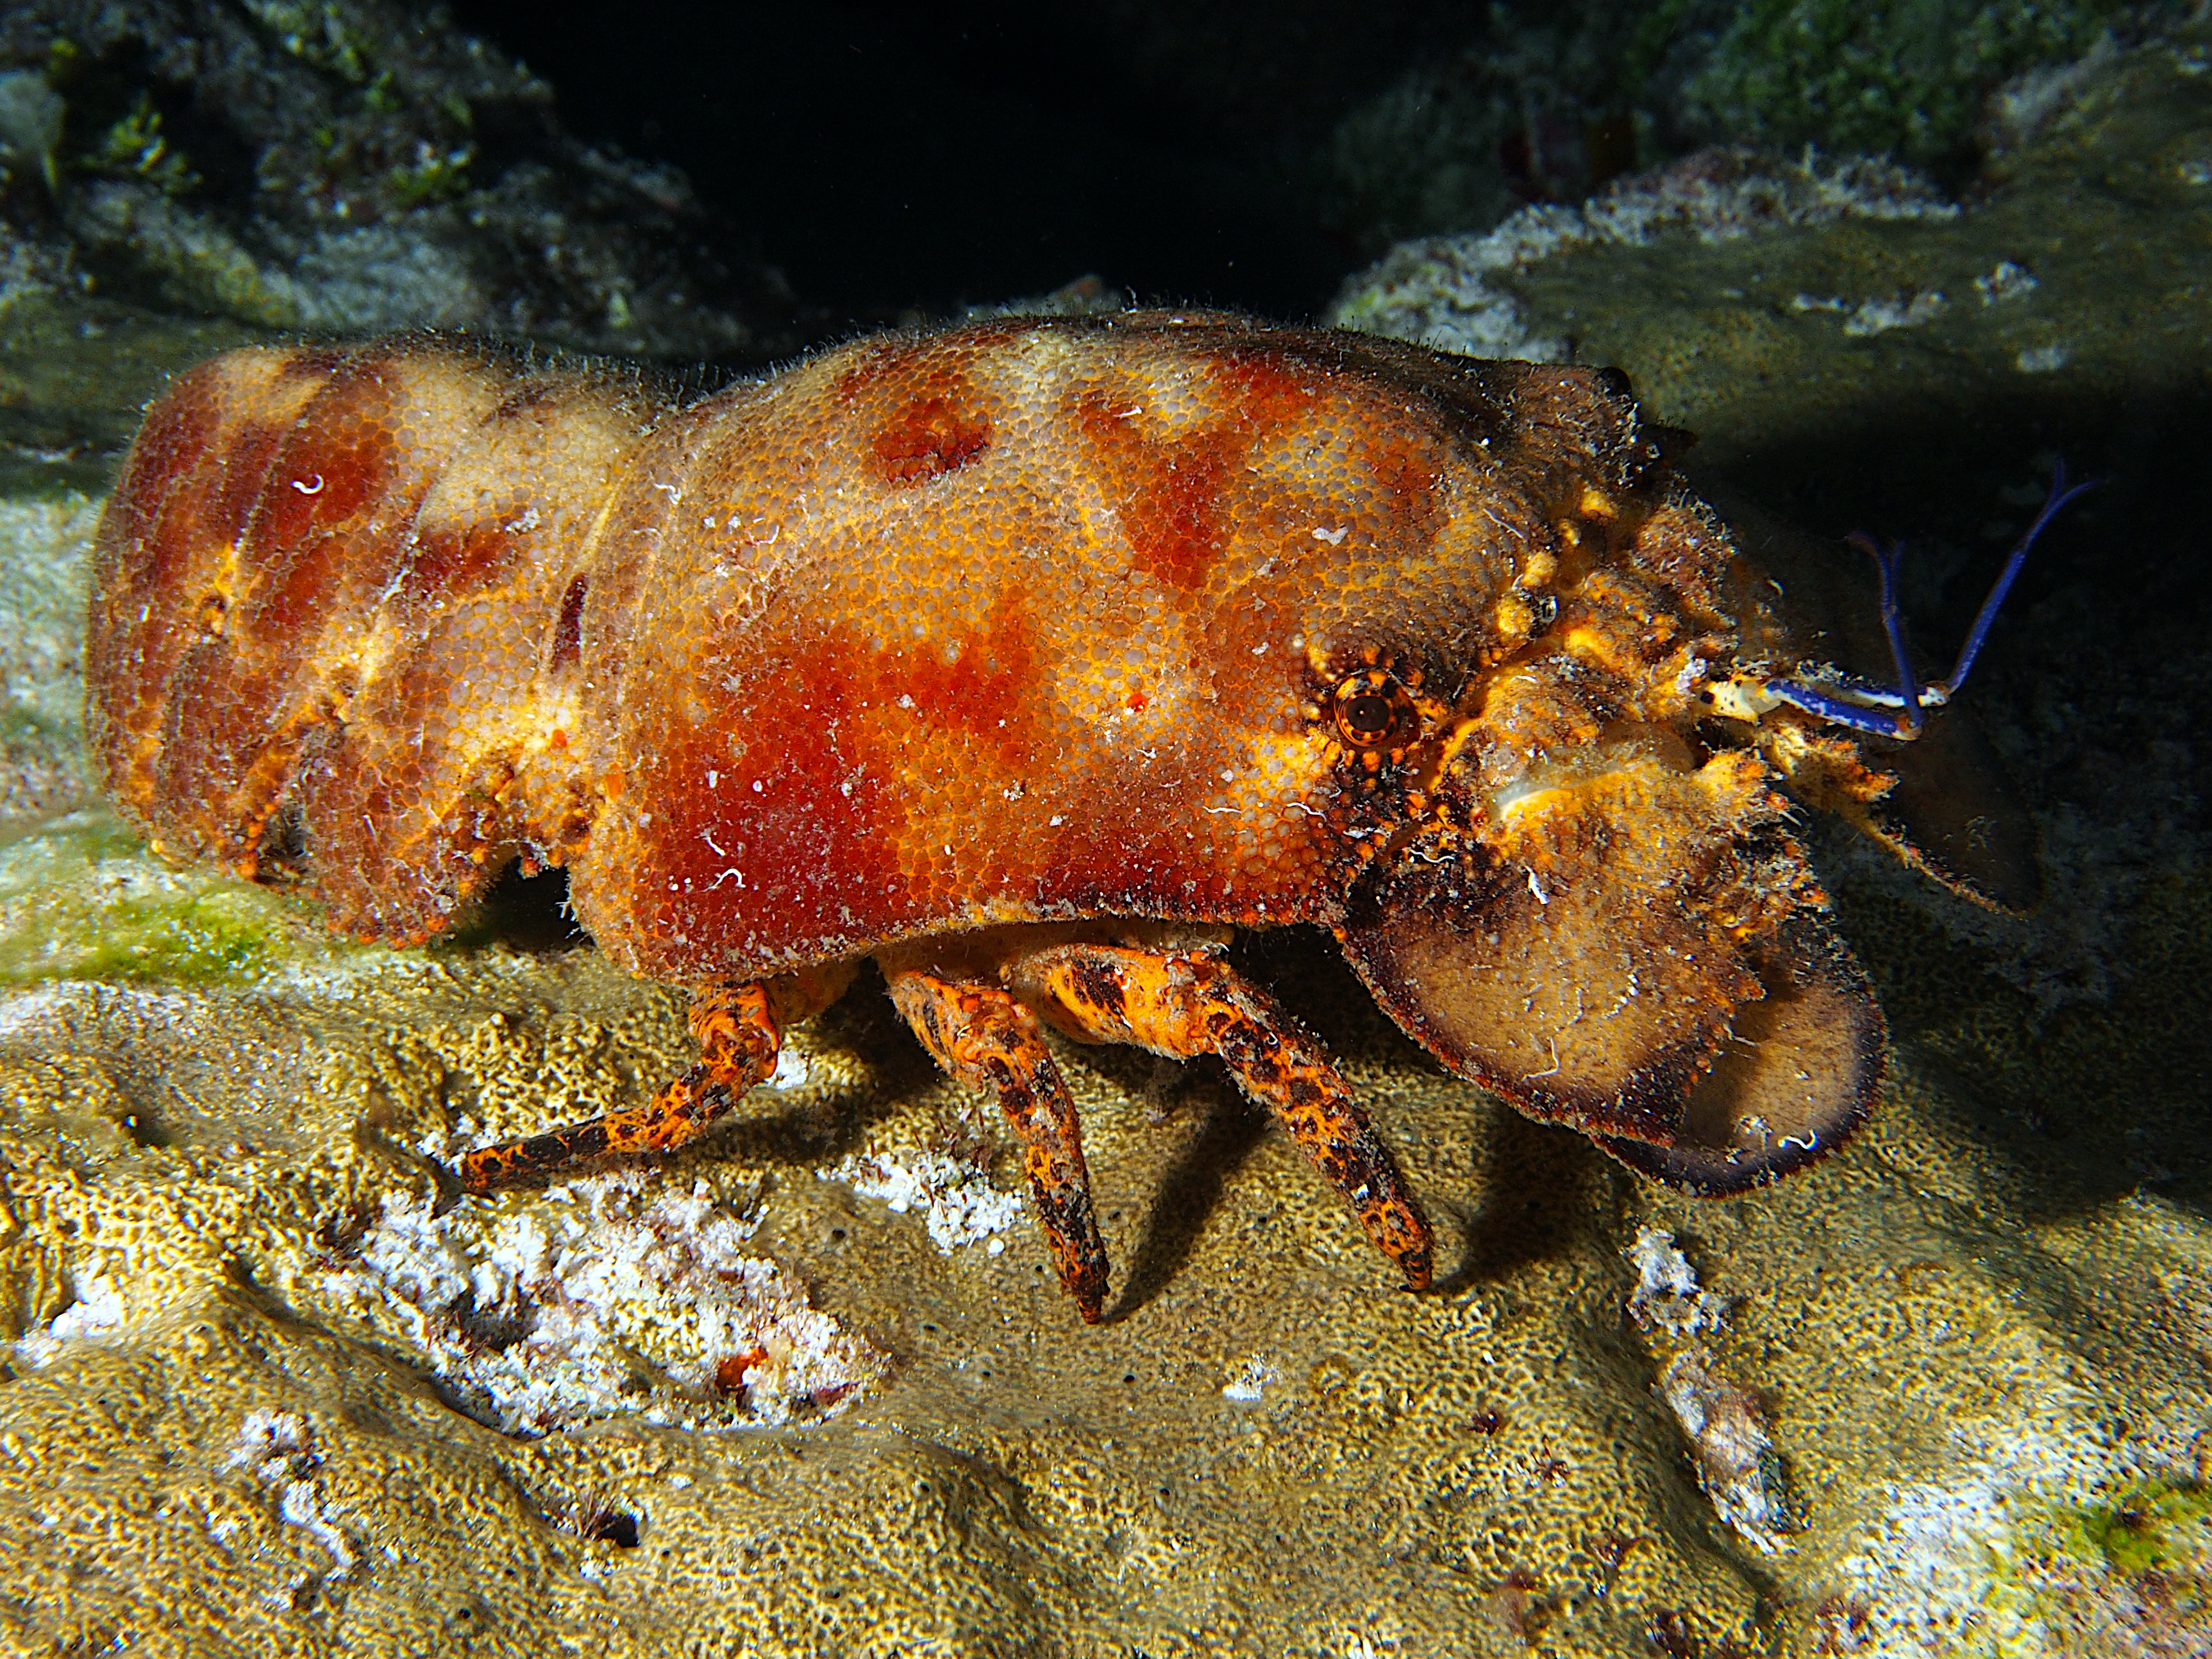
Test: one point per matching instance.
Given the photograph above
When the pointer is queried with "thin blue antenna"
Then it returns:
(1847, 701)
(1888, 561)
(2059, 496)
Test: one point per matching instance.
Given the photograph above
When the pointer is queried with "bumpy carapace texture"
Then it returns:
(1027, 658)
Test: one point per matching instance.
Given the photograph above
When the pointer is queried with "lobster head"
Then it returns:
(1567, 873)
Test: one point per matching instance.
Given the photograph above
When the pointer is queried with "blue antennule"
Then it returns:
(1897, 713)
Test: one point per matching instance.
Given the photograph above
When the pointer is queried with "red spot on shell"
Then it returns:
(457, 561)
(929, 437)
(245, 472)
(326, 475)
(816, 749)
(806, 816)
(1261, 390)
(172, 443)
(1167, 493)
(327, 481)
(984, 684)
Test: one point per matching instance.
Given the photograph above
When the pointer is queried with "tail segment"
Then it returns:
(344, 601)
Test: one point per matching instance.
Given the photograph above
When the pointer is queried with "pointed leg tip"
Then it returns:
(1089, 1291)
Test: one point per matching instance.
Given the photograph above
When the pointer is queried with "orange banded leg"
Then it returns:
(1185, 1003)
(739, 1032)
(981, 1036)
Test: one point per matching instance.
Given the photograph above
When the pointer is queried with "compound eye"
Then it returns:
(1365, 717)
(1374, 711)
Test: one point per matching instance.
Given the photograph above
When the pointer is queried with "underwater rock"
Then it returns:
(638, 1303)
(1547, 104)
(354, 165)
(1456, 293)
(77, 371)
(1735, 1458)
(1689, 276)
(44, 547)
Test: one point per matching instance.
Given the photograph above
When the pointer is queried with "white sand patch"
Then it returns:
(956, 1198)
(609, 1297)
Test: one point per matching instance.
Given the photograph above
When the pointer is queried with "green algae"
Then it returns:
(1907, 77)
(2126, 1577)
(434, 176)
(324, 36)
(2163, 1526)
(83, 899)
(136, 144)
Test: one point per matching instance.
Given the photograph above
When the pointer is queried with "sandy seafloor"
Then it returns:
(811, 1390)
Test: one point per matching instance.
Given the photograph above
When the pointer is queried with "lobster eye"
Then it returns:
(1365, 717)
(1374, 711)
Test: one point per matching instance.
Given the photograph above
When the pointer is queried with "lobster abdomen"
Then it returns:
(343, 588)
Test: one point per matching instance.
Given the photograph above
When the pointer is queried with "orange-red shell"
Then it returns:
(1035, 619)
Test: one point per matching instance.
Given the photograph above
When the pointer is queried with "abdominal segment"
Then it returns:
(333, 591)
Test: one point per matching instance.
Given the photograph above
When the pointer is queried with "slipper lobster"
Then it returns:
(1030, 659)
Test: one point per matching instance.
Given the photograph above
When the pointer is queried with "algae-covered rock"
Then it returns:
(1907, 78)
(1772, 303)
(83, 899)
(350, 166)
(76, 369)
(1544, 103)
(812, 1387)
(44, 545)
